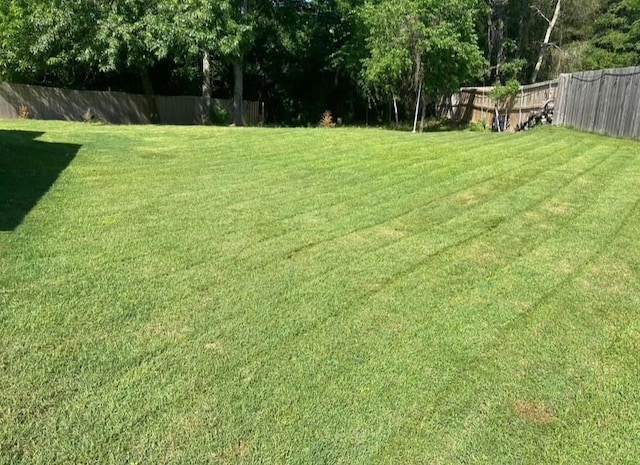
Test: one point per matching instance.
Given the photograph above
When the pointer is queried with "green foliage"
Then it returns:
(302, 57)
(45, 40)
(511, 69)
(503, 93)
(51, 35)
(219, 115)
(412, 42)
(478, 126)
(616, 39)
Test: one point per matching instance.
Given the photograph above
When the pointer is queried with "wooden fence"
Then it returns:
(605, 101)
(476, 104)
(112, 107)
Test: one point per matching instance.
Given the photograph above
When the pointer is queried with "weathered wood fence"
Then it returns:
(476, 104)
(112, 107)
(605, 101)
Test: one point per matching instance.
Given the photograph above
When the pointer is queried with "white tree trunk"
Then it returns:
(395, 109)
(415, 118)
(545, 43)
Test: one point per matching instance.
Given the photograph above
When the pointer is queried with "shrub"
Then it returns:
(502, 94)
(219, 115)
(478, 126)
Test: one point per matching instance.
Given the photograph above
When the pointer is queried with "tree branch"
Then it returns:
(545, 43)
(540, 13)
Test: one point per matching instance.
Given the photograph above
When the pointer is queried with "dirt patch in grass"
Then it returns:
(236, 452)
(467, 198)
(559, 208)
(533, 411)
(389, 231)
(214, 346)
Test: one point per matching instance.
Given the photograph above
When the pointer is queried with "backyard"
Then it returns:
(327, 296)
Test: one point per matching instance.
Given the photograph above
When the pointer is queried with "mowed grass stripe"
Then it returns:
(245, 192)
(471, 304)
(351, 211)
(390, 231)
(364, 290)
(369, 369)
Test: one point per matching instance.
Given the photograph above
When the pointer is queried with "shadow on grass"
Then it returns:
(28, 168)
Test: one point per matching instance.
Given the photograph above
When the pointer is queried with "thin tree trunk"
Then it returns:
(545, 43)
(500, 55)
(238, 87)
(154, 114)
(415, 118)
(417, 80)
(238, 76)
(395, 109)
(423, 113)
(206, 88)
(523, 30)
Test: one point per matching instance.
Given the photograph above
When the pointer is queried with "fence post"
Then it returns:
(520, 107)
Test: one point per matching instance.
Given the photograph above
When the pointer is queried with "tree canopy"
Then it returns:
(302, 57)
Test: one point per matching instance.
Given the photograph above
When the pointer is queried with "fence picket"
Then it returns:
(605, 101)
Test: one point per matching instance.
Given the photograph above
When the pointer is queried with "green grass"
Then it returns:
(213, 295)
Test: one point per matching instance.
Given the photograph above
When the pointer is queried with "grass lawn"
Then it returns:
(214, 295)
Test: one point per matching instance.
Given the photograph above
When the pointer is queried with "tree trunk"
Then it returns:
(523, 30)
(395, 109)
(423, 114)
(154, 114)
(238, 76)
(238, 87)
(206, 88)
(415, 118)
(496, 25)
(545, 43)
(500, 53)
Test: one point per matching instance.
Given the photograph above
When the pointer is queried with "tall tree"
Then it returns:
(421, 48)
(133, 35)
(616, 38)
(203, 30)
(547, 36)
(46, 41)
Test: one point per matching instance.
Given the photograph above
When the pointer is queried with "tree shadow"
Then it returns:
(28, 169)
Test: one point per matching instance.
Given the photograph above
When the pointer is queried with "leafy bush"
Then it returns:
(501, 94)
(478, 126)
(219, 115)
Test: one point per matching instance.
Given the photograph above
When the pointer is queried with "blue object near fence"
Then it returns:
(500, 124)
